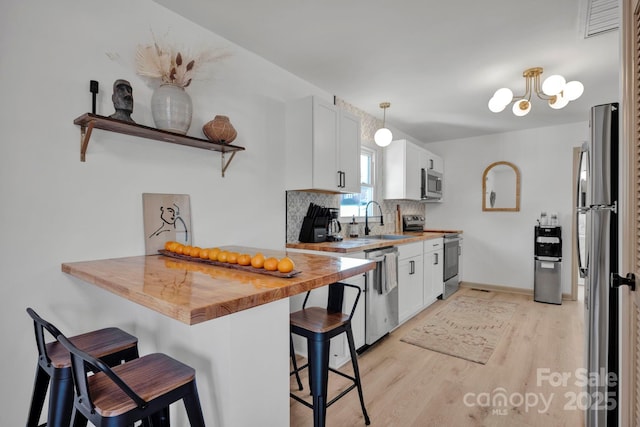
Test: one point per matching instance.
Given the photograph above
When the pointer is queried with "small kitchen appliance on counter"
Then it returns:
(334, 228)
(314, 225)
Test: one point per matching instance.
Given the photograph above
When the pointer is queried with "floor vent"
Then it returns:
(602, 16)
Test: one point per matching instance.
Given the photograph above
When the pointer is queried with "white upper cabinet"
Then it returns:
(322, 147)
(434, 162)
(404, 165)
(349, 151)
(402, 176)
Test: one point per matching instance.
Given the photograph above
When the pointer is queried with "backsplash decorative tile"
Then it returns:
(368, 124)
(298, 203)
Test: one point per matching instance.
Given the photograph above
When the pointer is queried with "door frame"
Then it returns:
(628, 200)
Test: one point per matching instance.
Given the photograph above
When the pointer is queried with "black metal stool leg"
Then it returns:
(79, 420)
(356, 373)
(159, 419)
(293, 361)
(40, 386)
(192, 405)
(318, 348)
(60, 398)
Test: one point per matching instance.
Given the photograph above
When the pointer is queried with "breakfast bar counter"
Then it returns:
(232, 326)
(194, 292)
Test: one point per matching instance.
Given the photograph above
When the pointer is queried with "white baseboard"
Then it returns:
(500, 288)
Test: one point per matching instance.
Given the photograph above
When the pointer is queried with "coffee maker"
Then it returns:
(333, 227)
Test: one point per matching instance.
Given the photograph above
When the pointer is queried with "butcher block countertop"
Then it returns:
(365, 243)
(194, 292)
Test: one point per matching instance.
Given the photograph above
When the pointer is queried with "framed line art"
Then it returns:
(166, 217)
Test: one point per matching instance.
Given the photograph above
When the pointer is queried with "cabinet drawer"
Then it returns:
(409, 250)
(433, 244)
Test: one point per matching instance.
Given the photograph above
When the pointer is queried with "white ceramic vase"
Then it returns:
(171, 108)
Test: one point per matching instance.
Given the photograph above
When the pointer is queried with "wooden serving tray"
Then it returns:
(246, 268)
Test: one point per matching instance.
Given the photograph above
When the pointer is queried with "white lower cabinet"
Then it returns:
(410, 280)
(433, 270)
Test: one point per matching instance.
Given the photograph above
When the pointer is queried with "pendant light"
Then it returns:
(383, 135)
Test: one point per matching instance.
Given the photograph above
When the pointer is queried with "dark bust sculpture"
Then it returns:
(122, 100)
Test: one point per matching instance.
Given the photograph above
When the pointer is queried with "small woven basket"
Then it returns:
(220, 130)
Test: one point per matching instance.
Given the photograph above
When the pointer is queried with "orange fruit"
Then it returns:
(195, 252)
(178, 249)
(271, 264)
(232, 258)
(257, 260)
(244, 259)
(168, 244)
(286, 265)
(186, 250)
(222, 256)
(213, 254)
(204, 253)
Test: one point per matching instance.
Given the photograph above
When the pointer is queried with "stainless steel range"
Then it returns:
(452, 251)
(412, 222)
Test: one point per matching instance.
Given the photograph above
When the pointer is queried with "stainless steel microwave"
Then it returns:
(431, 185)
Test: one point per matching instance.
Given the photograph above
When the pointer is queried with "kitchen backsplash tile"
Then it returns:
(298, 203)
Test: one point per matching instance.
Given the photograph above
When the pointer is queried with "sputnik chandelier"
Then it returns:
(555, 90)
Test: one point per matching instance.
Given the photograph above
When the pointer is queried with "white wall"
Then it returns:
(57, 209)
(498, 246)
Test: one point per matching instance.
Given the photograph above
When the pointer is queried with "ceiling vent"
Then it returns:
(602, 16)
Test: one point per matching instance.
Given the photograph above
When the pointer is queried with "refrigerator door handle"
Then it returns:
(617, 281)
(613, 208)
(581, 206)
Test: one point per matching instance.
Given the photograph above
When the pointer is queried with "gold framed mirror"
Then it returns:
(501, 187)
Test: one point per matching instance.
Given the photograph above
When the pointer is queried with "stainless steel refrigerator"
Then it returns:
(598, 257)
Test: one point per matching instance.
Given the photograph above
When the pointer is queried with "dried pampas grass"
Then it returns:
(174, 66)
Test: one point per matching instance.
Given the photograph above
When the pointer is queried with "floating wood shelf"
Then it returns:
(88, 122)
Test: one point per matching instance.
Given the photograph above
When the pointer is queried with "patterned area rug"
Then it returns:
(467, 327)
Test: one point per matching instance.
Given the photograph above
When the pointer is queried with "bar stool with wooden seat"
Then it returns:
(318, 325)
(112, 345)
(132, 391)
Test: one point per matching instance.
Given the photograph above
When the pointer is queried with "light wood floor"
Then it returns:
(405, 385)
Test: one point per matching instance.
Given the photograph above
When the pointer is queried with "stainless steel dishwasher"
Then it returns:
(381, 294)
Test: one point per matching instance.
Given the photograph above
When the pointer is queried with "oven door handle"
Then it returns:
(379, 258)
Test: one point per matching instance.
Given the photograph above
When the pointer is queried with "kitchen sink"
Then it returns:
(385, 237)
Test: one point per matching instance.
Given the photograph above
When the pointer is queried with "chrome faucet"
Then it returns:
(366, 217)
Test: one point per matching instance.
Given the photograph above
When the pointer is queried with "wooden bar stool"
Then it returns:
(132, 391)
(318, 325)
(112, 345)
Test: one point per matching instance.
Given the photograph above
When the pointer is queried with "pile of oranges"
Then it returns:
(258, 260)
